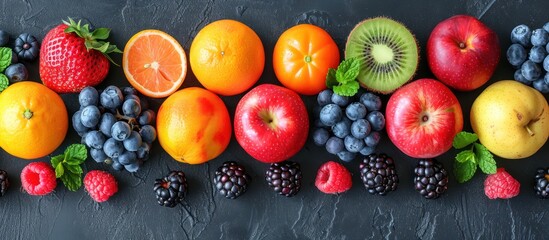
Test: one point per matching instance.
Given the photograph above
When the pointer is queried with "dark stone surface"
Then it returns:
(463, 213)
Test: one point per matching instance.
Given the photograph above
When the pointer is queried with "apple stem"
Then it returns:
(530, 131)
(461, 45)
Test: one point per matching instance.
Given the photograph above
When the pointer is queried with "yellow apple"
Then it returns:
(511, 119)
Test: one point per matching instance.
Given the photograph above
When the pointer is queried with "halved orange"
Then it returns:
(154, 63)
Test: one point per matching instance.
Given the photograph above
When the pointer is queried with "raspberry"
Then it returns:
(333, 178)
(100, 185)
(501, 185)
(38, 178)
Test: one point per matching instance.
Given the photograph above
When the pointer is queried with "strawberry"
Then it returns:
(72, 57)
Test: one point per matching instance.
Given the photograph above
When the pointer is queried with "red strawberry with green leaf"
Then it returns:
(72, 57)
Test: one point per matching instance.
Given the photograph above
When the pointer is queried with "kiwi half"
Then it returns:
(387, 51)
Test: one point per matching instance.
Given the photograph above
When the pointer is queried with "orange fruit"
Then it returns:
(227, 57)
(33, 120)
(302, 56)
(193, 125)
(154, 63)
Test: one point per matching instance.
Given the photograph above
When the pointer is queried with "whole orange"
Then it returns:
(33, 120)
(302, 56)
(227, 57)
(193, 125)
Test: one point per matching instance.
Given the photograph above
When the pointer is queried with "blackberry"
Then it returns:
(378, 174)
(231, 180)
(171, 189)
(284, 178)
(4, 182)
(431, 179)
(541, 185)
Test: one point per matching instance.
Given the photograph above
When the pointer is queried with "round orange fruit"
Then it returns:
(154, 63)
(302, 56)
(33, 120)
(227, 57)
(193, 125)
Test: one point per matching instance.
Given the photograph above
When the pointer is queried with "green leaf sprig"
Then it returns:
(343, 80)
(468, 160)
(67, 166)
(93, 40)
(5, 61)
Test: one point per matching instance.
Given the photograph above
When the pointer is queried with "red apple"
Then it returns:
(271, 123)
(462, 52)
(423, 117)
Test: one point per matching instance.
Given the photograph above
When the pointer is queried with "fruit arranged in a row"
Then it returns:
(116, 125)
(528, 53)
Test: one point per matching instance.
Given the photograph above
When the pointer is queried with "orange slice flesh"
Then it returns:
(154, 63)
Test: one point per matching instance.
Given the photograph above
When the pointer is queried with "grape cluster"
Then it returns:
(116, 125)
(528, 53)
(347, 126)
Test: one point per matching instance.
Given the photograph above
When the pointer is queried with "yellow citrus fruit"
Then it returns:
(193, 125)
(227, 57)
(154, 63)
(33, 120)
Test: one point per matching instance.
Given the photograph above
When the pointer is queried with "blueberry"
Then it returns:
(98, 155)
(131, 108)
(148, 133)
(133, 142)
(539, 37)
(324, 97)
(111, 97)
(320, 136)
(355, 110)
(127, 158)
(90, 116)
(77, 122)
(546, 63)
(530, 70)
(143, 151)
(95, 139)
(346, 156)
(547, 48)
(521, 34)
(341, 101)
(342, 128)
(537, 54)
(120, 130)
(371, 101)
(17, 73)
(360, 128)
(377, 120)
(4, 38)
(519, 77)
(541, 85)
(353, 144)
(334, 145)
(129, 91)
(331, 114)
(133, 167)
(367, 150)
(26, 47)
(516, 55)
(372, 139)
(146, 117)
(113, 148)
(546, 78)
(88, 96)
(106, 122)
(117, 166)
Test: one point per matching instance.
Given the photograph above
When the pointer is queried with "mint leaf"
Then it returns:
(74, 169)
(466, 156)
(464, 171)
(349, 89)
(57, 160)
(485, 158)
(347, 70)
(76, 154)
(71, 180)
(59, 170)
(462, 139)
(5, 58)
(331, 80)
(4, 82)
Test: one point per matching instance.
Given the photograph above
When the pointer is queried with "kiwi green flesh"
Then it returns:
(387, 52)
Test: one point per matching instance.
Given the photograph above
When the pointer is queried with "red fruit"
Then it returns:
(333, 178)
(501, 185)
(100, 185)
(38, 178)
(66, 65)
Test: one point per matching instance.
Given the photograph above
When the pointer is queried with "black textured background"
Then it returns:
(463, 213)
